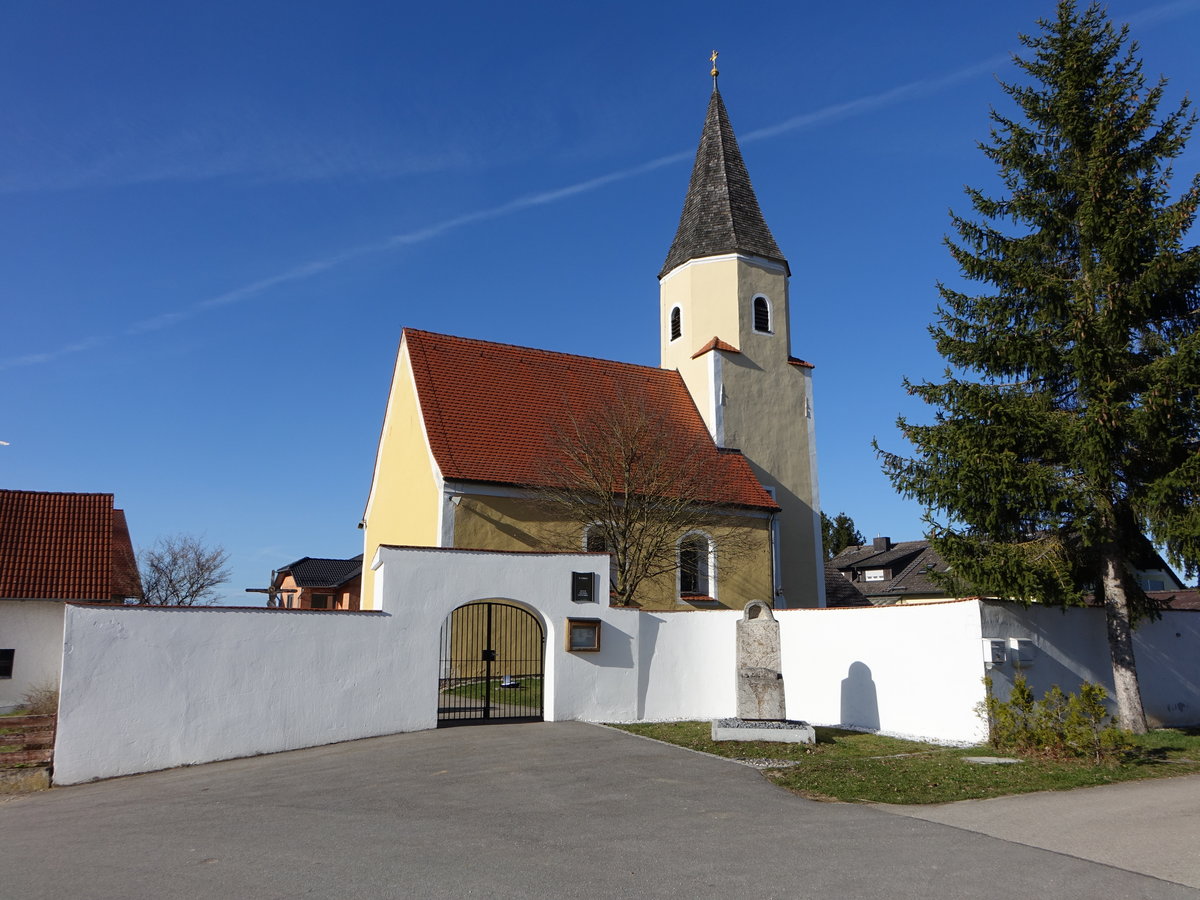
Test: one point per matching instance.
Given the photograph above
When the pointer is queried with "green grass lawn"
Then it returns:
(870, 768)
(528, 694)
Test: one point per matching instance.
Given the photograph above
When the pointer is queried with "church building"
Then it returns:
(473, 432)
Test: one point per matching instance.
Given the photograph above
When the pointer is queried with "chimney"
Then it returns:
(881, 544)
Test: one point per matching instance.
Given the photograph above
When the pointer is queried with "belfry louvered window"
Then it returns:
(762, 315)
(676, 324)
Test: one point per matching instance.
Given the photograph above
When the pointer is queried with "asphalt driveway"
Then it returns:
(545, 811)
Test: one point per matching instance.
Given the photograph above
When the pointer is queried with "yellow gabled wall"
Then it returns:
(406, 488)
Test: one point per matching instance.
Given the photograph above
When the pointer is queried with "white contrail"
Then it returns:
(919, 88)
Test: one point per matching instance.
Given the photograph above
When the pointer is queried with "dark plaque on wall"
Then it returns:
(583, 587)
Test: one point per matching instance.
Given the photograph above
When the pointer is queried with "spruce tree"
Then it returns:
(839, 533)
(1066, 427)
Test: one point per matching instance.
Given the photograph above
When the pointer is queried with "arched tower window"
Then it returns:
(676, 324)
(762, 315)
(696, 566)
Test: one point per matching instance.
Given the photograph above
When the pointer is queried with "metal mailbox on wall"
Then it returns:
(583, 587)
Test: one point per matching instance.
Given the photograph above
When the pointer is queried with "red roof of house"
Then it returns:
(64, 547)
(495, 412)
(1188, 598)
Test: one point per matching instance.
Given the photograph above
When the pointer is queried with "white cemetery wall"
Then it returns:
(904, 670)
(688, 666)
(1068, 646)
(422, 586)
(148, 688)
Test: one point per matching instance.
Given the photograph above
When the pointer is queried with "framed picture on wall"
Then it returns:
(583, 635)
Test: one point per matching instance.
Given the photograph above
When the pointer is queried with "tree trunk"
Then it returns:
(1120, 647)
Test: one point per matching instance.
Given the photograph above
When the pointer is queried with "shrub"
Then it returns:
(41, 700)
(1058, 725)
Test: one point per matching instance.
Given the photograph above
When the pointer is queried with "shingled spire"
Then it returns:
(720, 214)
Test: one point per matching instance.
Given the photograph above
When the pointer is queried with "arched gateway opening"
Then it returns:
(490, 665)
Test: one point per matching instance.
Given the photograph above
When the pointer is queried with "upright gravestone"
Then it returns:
(761, 707)
(759, 665)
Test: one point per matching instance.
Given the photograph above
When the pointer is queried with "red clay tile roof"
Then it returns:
(64, 547)
(796, 361)
(716, 344)
(1188, 598)
(494, 412)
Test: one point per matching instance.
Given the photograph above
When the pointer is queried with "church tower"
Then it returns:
(726, 327)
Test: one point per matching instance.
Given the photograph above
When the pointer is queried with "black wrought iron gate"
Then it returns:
(490, 666)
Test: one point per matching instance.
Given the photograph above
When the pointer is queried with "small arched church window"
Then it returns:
(676, 324)
(762, 315)
(695, 570)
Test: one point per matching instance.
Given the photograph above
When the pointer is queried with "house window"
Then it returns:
(695, 566)
(321, 601)
(676, 324)
(873, 575)
(6, 663)
(762, 315)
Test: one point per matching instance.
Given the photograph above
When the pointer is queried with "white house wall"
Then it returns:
(34, 629)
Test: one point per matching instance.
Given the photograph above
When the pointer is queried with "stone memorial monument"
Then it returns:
(761, 707)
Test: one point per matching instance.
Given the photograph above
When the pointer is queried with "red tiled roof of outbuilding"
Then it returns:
(493, 412)
(61, 546)
(126, 581)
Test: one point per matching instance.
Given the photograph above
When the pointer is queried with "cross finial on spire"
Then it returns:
(713, 59)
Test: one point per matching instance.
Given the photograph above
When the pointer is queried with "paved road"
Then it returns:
(1152, 827)
(541, 811)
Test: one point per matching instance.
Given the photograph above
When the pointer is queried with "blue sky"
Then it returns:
(217, 217)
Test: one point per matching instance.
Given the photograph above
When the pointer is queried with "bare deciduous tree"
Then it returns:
(180, 570)
(637, 485)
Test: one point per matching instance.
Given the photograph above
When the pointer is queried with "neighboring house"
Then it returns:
(840, 591)
(54, 547)
(893, 574)
(470, 427)
(313, 583)
(884, 573)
